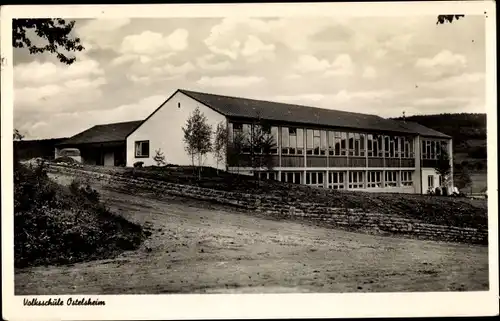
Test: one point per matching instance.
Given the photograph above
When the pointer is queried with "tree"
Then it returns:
(441, 19)
(261, 144)
(159, 158)
(56, 32)
(235, 149)
(197, 137)
(220, 143)
(461, 178)
(443, 166)
(18, 135)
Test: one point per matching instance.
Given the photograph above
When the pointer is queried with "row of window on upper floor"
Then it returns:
(432, 149)
(297, 140)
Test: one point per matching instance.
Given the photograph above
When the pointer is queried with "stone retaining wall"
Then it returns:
(275, 207)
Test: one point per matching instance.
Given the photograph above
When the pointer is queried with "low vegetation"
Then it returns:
(54, 224)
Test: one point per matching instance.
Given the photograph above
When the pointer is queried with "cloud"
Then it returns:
(150, 43)
(341, 66)
(445, 62)
(99, 33)
(47, 73)
(369, 73)
(229, 81)
(71, 123)
(255, 50)
(206, 62)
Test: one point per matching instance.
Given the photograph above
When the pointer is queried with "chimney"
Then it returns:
(404, 117)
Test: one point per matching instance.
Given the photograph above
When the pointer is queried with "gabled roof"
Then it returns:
(252, 108)
(103, 133)
(422, 130)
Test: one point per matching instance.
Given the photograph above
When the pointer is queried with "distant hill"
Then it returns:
(468, 132)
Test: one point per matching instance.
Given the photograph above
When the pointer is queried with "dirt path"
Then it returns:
(195, 249)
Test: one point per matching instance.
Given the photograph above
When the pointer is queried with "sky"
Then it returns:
(376, 65)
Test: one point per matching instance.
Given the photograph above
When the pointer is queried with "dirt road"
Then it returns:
(199, 248)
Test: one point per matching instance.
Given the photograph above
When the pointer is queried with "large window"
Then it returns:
(431, 149)
(292, 141)
(316, 142)
(356, 144)
(406, 178)
(374, 179)
(142, 149)
(268, 175)
(374, 147)
(291, 177)
(274, 135)
(391, 147)
(391, 179)
(336, 180)
(356, 179)
(314, 178)
(407, 147)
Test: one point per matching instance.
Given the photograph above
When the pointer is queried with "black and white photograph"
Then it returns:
(211, 150)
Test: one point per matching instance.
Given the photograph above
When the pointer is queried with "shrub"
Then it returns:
(138, 164)
(54, 224)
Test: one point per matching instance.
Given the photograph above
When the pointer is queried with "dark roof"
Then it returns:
(251, 108)
(103, 133)
(422, 130)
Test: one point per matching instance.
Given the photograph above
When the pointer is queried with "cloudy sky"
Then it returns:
(373, 65)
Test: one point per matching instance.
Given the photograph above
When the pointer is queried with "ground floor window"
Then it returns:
(356, 179)
(374, 179)
(406, 178)
(440, 180)
(291, 177)
(391, 179)
(430, 181)
(336, 180)
(315, 178)
(142, 148)
(268, 175)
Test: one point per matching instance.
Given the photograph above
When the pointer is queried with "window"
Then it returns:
(407, 147)
(291, 177)
(336, 180)
(433, 150)
(314, 178)
(316, 142)
(274, 135)
(387, 146)
(300, 141)
(142, 149)
(292, 141)
(369, 142)
(430, 181)
(247, 134)
(322, 146)
(391, 179)
(343, 144)
(374, 179)
(356, 144)
(406, 178)
(375, 145)
(440, 180)
(356, 179)
(268, 175)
